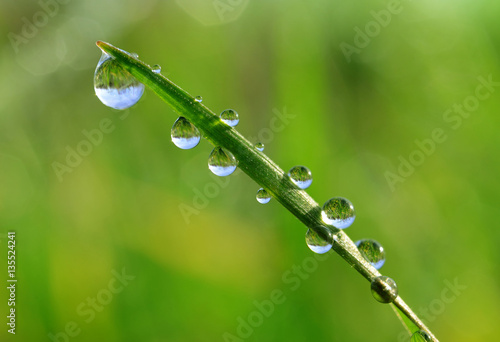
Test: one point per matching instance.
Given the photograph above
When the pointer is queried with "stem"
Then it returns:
(253, 162)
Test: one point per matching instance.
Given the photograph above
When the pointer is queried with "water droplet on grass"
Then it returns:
(384, 289)
(184, 134)
(259, 146)
(319, 240)
(198, 98)
(339, 212)
(221, 162)
(420, 336)
(115, 86)
(263, 196)
(156, 68)
(229, 117)
(301, 176)
(372, 251)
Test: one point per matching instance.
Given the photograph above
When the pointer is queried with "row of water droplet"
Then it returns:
(117, 88)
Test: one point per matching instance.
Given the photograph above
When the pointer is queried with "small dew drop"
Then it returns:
(198, 98)
(133, 54)
(372, 251)
(339, 212)
(230, 117)
(301, 176)
(319, 240)
(115, 86)
(263, 196)
(156, 68)
(384, 289)
(421, 336)
(259, 146)
(221, 162)
(184, 134)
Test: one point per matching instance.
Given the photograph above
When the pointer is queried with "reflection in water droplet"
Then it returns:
(372, 251)
(384, 289)
(338, 212)
(115, 86)
(319, 240)
(421, 336)
(259, 146)
(184, 134)
(263, 196)
(229, 117)
(156, 68)
(301, 176)
(198, 98)
(221, 162)
(133, 54)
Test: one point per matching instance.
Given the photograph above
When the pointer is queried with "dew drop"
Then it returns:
(198, 98)
(319, 240)
(115, 86)
(384, 289)
(221, 162)
(263, 196)
(339, 212)
(301, 176)
(420, 336)
(184, 134)
(372, 251)
(230, 117)
(156, 68)
(133, 54)
(259, 146)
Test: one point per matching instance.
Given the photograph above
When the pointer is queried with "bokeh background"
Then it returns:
(121, 208)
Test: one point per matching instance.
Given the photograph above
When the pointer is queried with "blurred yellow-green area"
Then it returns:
(121, 236)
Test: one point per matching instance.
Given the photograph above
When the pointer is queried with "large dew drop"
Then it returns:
(184, 134)
(230, 117)
(338, 212)
(198, 98)
(263, 196)
(156, 68)
(301, 176)
(372, 251)
(319, 240)
(221, 162)
(384, 289)
(115, 86)
(420, 336)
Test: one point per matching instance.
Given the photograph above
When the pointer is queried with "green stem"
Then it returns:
(253, 162)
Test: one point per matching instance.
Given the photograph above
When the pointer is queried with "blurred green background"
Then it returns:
(120, 209)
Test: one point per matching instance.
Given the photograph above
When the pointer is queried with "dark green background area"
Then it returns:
(355, 120)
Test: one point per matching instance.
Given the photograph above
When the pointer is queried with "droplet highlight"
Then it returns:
(221, 162)
(184, 134)
(115, 86)
(384, 289)
(259, 146)
(156, 68)
(421, 336)
(263, 196)
(230, 117)
(301, 176)
(319, 240)
(372, 251)
(198, 98)
(339, 212)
